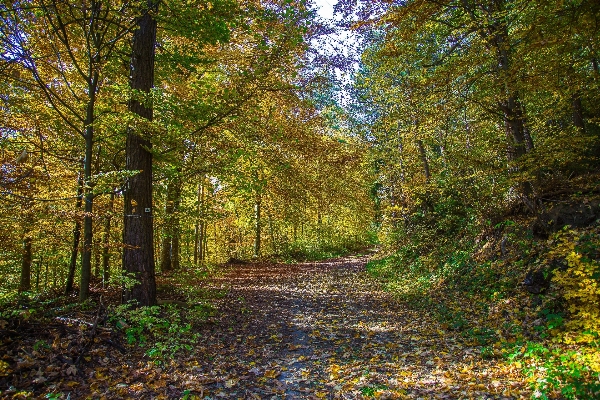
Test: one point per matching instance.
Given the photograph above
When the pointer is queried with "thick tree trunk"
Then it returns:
(138, 234)
(76, 238)
(517, 133)
(25, 283)
(514, 116)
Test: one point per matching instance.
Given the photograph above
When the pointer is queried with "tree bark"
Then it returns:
(170, 252)
(88, 235)
(199, 227)
(204, 243)
(258, 225)
(166, 248)
(423, 156)
(138, 234)
(176, 228)
(578, 112)
(76, 238)
(105, 242)
(517, 133)
(25, 283)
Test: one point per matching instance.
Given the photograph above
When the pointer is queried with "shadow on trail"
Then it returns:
(327, 330)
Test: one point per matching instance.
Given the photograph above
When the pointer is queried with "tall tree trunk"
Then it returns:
(271, 232)
(423, 156)
(105, 242)
(176, 228)
(76, 238)
(96, 252)
(86, 251)
(199, 227)
(205, 240)
(25, 283)
(166, 248)
(517, 133)
(138, 234)
(514, 116)
(577, 108)
(170, 253)
(401, 185)
(258, 225)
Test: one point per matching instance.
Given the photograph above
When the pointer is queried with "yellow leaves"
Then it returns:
(5, 368)
(334, 370)
(579, 280)
(405, 374)
(271, 374)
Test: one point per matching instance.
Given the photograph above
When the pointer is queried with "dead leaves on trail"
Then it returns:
(307, 331)
(325, 330)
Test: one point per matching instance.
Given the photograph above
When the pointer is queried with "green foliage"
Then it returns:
(326, 245)
(564, 361)
(124, 279)
(370, 391)
(163, 331)
(553, 371)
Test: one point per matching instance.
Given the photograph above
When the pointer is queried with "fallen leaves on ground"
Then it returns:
(321, 330)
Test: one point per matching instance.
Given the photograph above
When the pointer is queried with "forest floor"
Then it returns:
(319, 330)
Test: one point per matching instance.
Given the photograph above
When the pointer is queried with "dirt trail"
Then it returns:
(326, 330)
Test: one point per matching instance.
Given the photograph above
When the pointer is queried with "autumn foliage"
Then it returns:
(154, 152)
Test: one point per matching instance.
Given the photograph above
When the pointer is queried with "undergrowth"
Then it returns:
(317, 249)
(473, 283)
(163, 332)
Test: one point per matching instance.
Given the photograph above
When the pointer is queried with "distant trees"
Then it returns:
(145, 119)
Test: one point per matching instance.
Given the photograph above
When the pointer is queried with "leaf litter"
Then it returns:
(322, 330)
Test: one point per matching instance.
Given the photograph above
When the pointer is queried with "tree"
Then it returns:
(67, 52)
(138, 231)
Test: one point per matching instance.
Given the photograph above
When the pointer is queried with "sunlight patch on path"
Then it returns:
(326, 330)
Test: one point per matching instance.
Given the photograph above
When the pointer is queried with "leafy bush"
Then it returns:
(164, 332)
(580, 279)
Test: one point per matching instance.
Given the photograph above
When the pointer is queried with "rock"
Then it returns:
(575, 215)
(536, 281)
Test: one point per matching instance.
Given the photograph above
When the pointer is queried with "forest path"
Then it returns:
(327, 330)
